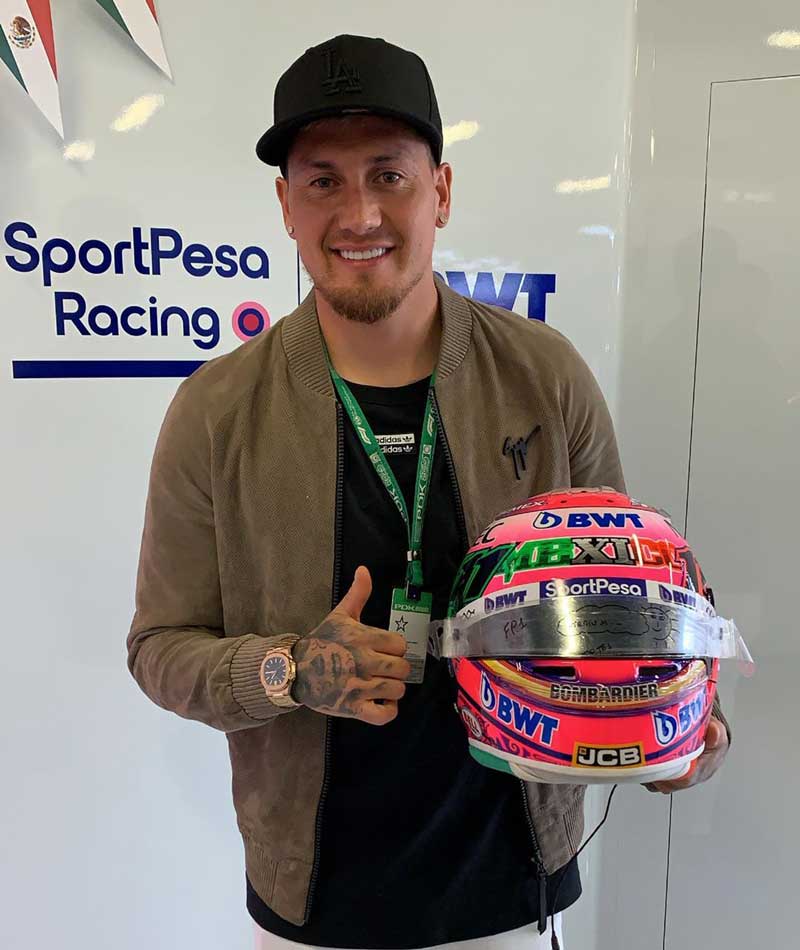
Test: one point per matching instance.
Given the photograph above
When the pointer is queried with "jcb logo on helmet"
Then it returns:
(601, 756)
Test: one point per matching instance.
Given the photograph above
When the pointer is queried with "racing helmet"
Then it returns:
(585, 642)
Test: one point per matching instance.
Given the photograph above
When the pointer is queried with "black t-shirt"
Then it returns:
(419, 844)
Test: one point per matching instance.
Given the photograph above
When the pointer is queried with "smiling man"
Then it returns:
(344, 460)
(359, 192)
(365, 256)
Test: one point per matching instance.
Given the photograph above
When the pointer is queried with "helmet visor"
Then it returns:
(588, 627)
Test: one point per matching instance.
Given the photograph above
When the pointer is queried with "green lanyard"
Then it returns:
(376, 455)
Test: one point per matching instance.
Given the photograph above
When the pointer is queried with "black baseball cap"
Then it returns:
(352, 74)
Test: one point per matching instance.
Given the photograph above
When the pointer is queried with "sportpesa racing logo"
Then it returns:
(150, 253)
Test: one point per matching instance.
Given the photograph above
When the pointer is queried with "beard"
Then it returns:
(364, 303)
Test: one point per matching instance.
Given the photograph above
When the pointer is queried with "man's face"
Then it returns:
(364, 184)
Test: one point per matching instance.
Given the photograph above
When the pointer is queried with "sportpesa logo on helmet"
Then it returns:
(585, 642)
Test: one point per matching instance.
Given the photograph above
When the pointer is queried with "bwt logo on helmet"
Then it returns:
(148, 254)
(588, 519)
(680, 597)
(523, 719)
(667, 727)
(501, 601)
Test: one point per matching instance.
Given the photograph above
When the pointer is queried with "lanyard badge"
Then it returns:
(411, 605)
(412, 618)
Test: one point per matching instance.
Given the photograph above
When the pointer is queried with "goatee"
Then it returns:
(366, 304)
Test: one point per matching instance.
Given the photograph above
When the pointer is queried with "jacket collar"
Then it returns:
(302, 339)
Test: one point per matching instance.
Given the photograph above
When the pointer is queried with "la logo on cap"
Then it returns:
(340, 77)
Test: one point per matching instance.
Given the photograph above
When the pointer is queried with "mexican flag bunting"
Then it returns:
(28, 49)
(138, 19)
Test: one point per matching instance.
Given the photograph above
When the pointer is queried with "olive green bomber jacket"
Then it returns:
(241, 532)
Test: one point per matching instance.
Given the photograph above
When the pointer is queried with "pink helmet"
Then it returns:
(585, 642)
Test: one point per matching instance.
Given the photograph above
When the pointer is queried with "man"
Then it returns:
(270, 503)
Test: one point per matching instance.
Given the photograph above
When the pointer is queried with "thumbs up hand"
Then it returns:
(343, 666)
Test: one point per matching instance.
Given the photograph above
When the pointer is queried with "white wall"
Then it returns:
(116, 820)
(116, 814)
(732, 845)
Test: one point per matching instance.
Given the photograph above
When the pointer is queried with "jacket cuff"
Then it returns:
(245, 681)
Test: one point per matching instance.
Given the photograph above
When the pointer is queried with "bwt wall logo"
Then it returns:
(535, 286)
(159, 252)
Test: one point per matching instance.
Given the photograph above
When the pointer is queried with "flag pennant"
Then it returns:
(139, 20)
(28, 49)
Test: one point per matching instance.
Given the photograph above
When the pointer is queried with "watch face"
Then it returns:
(276, 671)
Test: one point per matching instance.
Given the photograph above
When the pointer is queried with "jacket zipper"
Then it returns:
(335, 597)
(541, 872)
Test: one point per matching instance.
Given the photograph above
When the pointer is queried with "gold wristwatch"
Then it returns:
(278, 671)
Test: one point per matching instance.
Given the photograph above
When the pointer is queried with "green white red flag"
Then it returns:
(139, 20)
(28, 49)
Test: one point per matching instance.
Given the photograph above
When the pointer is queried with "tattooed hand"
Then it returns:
(343, 667)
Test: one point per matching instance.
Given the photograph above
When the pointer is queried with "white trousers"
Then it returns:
(526, 938)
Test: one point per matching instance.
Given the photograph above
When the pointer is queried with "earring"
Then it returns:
(290, 229)
(442, 218)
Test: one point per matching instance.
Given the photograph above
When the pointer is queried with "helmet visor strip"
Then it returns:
(588, 626)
